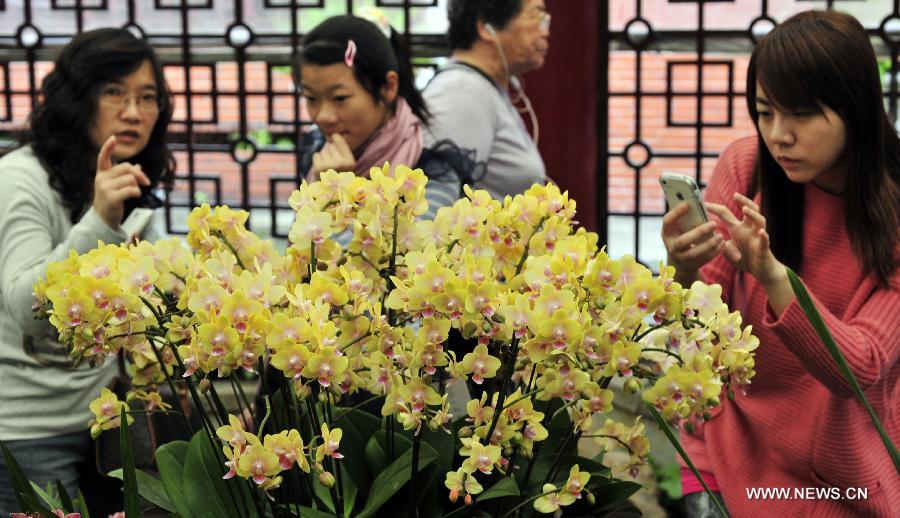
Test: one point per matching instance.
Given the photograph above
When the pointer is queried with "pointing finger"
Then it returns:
(104, 157)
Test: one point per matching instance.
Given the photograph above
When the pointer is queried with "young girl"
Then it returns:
(358, 85)
(95, 150)
(818, 190)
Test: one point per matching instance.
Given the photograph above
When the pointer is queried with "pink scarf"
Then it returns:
(399, 141)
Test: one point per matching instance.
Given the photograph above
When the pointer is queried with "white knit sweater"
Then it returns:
(41, 394)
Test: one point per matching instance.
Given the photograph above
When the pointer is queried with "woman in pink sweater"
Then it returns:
(818, 189)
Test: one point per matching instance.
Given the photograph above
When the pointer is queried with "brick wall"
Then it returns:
(654, 131)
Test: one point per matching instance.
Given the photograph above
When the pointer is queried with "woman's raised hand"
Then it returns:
(690, 250)
(749, 248)
(113, 184)
(335, 154)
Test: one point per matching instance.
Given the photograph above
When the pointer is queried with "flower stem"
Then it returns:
(413, 500)
(501, 396)
(231, 248)
(528, 245)
(526, 502)
(559, 455)
(666, 351)
(262, 425)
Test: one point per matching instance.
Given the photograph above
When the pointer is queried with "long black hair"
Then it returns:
(60, 124)
(825, 58)
(376, 55)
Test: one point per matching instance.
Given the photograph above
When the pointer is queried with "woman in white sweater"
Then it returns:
(95, 150)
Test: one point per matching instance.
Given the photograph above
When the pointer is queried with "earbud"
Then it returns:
(490, 28)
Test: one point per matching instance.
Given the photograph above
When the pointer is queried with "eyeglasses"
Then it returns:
(116, 98)
(543, 19)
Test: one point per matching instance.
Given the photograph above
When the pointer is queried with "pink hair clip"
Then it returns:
(350, 54)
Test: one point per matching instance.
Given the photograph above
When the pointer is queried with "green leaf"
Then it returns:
(376, 456)
(82, 505)
(812, 314)
(314, 513)
(203, 485)
(21, 486)
(151, 489)
(613, 493)
(444, 443)
(129, 480)
(434, 497)
(349, 487)
(64, 499)
(376, 451)
(30, 502)
(664, 426)
(357, 427)
(395, 477)
(170, 462)
(51, 502)
(506, 487)
(431, 495)
(323, 494)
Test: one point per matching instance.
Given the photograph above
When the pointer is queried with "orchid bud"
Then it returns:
(303, 392)
(465, 432)
(632, 386)
(468, 330)
(327, 479)
(204, 385)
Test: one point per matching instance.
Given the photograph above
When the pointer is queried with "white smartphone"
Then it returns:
(679, 188)
(136, 221)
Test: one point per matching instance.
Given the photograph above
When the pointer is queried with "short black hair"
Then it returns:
(465, 14)
(60, 123)
(376, 55)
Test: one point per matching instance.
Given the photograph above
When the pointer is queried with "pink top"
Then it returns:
(798, 425)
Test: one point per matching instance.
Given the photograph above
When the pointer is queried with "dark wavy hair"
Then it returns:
(825, 58)
(465, 14)
(60, 124)
(376, 55)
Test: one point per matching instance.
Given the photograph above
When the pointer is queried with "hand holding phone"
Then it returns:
(679, 188)
(136, 221)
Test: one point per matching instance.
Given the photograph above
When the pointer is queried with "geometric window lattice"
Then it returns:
(675, 96)
(238, 117)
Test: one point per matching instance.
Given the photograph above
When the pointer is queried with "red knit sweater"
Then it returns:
(798, 425)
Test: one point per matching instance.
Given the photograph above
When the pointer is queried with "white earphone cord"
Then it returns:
(517, 86)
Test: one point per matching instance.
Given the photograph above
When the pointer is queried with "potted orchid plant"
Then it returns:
(361, 348)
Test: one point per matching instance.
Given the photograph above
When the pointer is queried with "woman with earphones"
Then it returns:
(493, 42)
